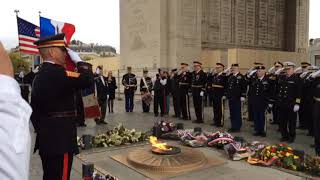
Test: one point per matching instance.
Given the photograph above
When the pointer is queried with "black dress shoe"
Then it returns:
(219, 125)
(103, 122)
(310, 134)
(82, 125)
(256, 134)
(291, 140)
(198, 122)
(284, 139)
(234, 130)
(312, 145)
(156, 115)
(263, 134)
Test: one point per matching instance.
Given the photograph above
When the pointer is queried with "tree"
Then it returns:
(18, 61)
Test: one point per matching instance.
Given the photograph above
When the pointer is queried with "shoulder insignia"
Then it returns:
(72, 74)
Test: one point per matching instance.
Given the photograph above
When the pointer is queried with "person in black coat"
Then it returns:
(161, 91)
(54, 106)
(146, 89)
(102, 94)
(112, 86)
(174, 83)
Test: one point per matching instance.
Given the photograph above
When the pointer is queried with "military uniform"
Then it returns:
(197, 87)
(236, 88)
(216, 86)
(54, 115)
(175, 94)
(161, 91)
(146, 88)
(305, 112)
(288, 96)
(184, 80)
(129, 81)
(316, 113)
(251, 91)
(260, 97)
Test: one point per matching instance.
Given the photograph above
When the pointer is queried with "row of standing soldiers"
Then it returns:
(284, 91)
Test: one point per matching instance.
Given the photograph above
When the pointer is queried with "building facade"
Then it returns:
(163, 33)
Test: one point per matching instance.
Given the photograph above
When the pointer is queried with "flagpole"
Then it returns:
(39, 12)
(16, 11)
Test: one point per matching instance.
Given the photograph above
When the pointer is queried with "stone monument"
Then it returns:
(163, 33)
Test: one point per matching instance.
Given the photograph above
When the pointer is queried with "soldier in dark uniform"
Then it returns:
(54, 107)
(236, 93)
(316, 109)
(175, 93)
(289, 99)
(274, 77)
(146, 89)
(216, 86)
(129, 81)
(304, 113)
(161, 91)
(198, 86)
(250, 77)
(102, 93)
(24, 82)
(184, 80)
(260, 97)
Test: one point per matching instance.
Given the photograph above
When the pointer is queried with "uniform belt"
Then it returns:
(217, 86)
(180, 83)
(62, 114)
(197, 86)
(316, 99)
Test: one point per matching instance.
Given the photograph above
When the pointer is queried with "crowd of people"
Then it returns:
(289, 92)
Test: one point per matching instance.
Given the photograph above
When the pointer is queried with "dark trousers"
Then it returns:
(110, 105)
(145, 107)
(176, 104)
(217, 110)
(159, 100)
(250, 109)
(183, 98)
(316, 122)
(56, 166)
(197, 102)
(288, 121)
(275, 114)
(129, 102)
(103, 108)
(259, 118)
(309, 117)
(235, 113)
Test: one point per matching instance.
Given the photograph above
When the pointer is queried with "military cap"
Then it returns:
(129, 68)
(258, 64)
(289, 64)
(305, 64)
(220, 64)
(278, 63)
(51, 41)
(174, 70)
(260, 67)
(235, 65)
(197, 63)
(145, 70)
(186, 64)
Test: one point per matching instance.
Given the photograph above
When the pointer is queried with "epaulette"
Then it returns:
(72, 74)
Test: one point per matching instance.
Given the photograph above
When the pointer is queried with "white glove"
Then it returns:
(201, 93)
(242, 99)
(189, 93)
(74, 56)
(223, 97)
(315, 74)
(21, 74)
(270, 105)
(35, 70)
(163, 81)
(296, 108)
(107, 96)
(279, 71)
(252, 72)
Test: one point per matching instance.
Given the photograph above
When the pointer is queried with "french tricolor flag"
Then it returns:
(49, 27)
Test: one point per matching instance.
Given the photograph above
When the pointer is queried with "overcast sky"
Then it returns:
(96, 21)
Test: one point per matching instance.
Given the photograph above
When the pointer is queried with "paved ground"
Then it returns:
(142, 121)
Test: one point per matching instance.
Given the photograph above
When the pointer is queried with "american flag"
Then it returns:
(28, 34)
